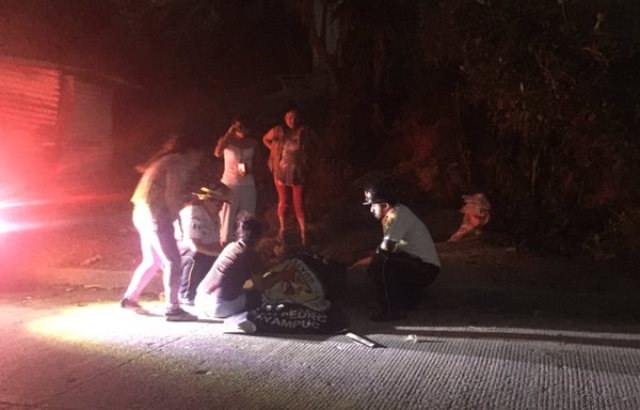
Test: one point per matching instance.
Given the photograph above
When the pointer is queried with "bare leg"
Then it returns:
(298, 203)
(282, 206)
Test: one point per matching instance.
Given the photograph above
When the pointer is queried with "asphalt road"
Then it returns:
(66, 347)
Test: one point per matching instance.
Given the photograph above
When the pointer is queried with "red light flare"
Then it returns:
(47, 212)
(36, 196)
(7, 227)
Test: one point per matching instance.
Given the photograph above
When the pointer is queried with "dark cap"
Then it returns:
(375, 195)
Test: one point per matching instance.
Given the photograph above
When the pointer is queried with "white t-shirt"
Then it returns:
(233, 157)
(409, 233)
(196, 223)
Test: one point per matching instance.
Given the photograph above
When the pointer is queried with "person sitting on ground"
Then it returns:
(199, 237)
(157, 200)
(221, 293)
(405, 262)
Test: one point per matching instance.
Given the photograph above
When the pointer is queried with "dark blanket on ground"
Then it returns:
(301, 304)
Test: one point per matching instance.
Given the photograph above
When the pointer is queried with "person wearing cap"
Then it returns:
(199, 237)
(405, 261)
(239, 153)
(221, 293)
(157, 200)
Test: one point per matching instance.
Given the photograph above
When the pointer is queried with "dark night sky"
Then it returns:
(534, 103)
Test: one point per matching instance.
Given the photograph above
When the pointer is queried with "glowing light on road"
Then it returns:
(107, 322)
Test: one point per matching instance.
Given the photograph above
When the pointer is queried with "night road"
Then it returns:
(443, 196)
(89, 354)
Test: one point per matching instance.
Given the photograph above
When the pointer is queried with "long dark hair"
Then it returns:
(249, 230)
(292, 107)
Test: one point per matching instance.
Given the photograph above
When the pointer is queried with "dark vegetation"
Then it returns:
(536, 104)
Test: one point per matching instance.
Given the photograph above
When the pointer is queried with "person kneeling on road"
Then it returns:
(199, 227)
(221, 294)
(405, 262)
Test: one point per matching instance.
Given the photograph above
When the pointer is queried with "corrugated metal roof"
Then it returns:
(29, 97)
(54, 121)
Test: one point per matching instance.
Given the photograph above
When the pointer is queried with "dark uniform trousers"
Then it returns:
(399, 279)
(195, 266)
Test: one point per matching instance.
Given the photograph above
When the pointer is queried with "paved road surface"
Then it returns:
(71, 348)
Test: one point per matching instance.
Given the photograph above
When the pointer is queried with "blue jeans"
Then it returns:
(195, 266)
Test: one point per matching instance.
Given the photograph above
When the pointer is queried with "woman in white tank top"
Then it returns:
(238, 152)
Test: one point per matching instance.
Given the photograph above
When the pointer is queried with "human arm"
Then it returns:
(385, 246)
(167, 147)
(173, 192)
(269, 137)
(223, 142)
(263, 281)
(395, 227)
(140, 168)
(268, 279)
(388, 245)
(361, 262)
(260, 282)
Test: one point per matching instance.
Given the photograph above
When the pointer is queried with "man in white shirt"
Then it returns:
(198, 237)
(405, 262)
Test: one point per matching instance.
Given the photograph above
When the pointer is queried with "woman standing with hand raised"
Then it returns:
(239, 153)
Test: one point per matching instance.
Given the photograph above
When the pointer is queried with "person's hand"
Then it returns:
(231, 132)
(361, 263)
